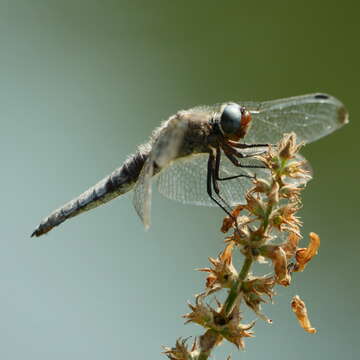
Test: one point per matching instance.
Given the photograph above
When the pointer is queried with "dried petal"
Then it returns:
(299, 308)
(229, 222)
(278, 257)
(304, 255)
(290, 246)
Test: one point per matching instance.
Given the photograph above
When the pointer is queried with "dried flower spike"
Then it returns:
(266, 226)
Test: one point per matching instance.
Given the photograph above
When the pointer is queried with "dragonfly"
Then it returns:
(207, 155)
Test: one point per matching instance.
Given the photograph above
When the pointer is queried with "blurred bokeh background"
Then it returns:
(82, 83)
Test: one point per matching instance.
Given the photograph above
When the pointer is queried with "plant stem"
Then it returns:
(207, 344)
(266, 220)
(234, 292)
(204, 355)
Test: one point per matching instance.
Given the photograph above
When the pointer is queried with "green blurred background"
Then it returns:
(84, 82)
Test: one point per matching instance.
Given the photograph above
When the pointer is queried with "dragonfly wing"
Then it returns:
(142, 192)
(309, 116)
(185, 180)
(164, 150)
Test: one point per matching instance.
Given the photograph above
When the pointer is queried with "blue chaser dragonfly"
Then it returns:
(193, 156)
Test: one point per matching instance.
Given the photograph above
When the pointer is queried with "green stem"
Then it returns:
(267, 214)
(204, 355)
(234, 292)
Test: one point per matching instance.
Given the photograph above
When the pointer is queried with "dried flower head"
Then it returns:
(288, 148)
(180, 351)
(236, 332)
(262, 285)
(223, 274)
(278, 256)
(201, 313)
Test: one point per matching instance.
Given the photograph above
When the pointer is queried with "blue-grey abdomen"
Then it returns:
(117, 183)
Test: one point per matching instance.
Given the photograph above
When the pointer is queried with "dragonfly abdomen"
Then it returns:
(117, 183)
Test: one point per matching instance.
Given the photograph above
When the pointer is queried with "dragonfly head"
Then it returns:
(234, 121)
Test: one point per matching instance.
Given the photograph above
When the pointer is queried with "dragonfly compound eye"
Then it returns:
(230, 120)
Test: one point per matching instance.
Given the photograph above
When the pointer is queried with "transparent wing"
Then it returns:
(164, 150)
(309, 116)
(185, 180)
(142, 192)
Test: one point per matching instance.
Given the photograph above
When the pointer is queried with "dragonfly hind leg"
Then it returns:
(213, 186)
(212, 178)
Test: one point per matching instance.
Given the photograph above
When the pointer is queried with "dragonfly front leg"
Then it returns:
(246, 146)
(237, 163)
(232, 151)
(217, 169)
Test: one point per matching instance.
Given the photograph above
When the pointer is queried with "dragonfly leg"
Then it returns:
(212, 185)
(212, 177)
(228, 149)
(233, 154)
(246, 146)
(237, 163)
(217, 169)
